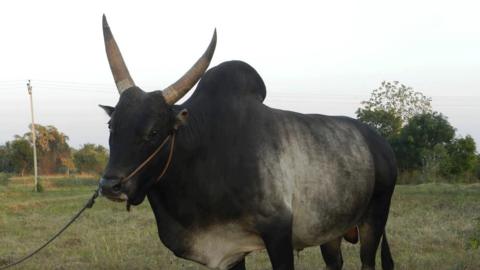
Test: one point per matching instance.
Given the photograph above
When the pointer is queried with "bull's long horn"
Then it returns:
(117, 65)
(177, 90)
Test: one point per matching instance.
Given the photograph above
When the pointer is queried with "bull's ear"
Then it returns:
(181, 118)
(108, 109)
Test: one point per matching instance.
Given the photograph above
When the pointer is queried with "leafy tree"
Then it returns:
(402, 100)
(54, 153)
(387, 123)
(391, 106)
(422, 140)
(67, 164)
(418, 140)
(462, 155)
(20, 155)
(5, 162)
(91, 158)
(436, 162)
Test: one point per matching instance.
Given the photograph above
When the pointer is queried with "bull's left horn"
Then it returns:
(117, 65)
(177, 90)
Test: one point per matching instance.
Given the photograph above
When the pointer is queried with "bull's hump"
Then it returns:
(232, 79)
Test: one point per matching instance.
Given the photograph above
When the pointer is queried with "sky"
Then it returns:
(314, 56)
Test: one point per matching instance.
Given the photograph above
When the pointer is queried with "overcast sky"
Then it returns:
(317, 57)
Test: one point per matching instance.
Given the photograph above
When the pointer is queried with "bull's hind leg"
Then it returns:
(371, 231)
(332, 254)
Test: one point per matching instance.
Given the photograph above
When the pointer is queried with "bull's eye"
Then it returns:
(151, 135)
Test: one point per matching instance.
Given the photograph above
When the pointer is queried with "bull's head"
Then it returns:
(140, 122)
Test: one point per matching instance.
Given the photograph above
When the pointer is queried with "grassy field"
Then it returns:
(431, 226)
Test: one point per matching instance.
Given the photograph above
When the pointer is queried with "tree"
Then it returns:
(418, 141)
(462, 155)
(91, 158)
(387, 123)
(54, 153)
(5, 162)
(20, 155)
(391, 106)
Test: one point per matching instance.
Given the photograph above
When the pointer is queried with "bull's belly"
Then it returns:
(322, 213)
(221, 246)
(315, 221)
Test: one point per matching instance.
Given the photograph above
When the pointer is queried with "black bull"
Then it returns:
(245, 176)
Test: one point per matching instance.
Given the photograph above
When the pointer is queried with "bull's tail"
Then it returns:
(387, 261)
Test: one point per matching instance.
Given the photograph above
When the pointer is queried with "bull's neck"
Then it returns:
(172, 234)
(193, 133)
(191, 139)
(188, 139)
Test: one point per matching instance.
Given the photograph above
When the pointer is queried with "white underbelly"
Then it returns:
(221, 246)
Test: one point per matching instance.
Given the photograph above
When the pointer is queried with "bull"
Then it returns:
(234, 176)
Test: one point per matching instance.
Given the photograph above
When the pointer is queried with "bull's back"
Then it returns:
(321, 169)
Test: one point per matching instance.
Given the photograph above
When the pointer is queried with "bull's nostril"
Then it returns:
(117, 188)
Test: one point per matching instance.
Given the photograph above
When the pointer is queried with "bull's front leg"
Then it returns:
(277, 236)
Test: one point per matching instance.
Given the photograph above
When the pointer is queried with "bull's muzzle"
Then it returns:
(112, 189)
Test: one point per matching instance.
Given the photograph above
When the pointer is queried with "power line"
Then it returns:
(11, 89)
(76, 86)
(73, 82)
(65, 89)
(95, 87)
(12, 81)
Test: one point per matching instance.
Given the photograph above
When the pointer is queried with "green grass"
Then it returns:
(431, 226)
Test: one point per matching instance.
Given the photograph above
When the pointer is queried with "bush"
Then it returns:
(39, 186)
(91, 158)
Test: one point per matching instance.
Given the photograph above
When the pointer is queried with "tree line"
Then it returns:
(54, 155)
(426, 145)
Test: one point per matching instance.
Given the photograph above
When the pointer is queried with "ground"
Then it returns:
(431, 226)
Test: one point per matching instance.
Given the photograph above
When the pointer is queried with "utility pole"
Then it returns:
(29, 87)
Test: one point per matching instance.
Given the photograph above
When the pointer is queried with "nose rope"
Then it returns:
(144, 163)
(167, 164)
